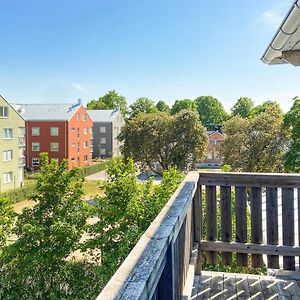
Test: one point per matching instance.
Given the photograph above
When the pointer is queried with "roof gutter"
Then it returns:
(287, 28)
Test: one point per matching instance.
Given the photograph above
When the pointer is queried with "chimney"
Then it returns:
(79, 101)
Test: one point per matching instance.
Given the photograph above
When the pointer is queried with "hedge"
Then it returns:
(20, 194)
(92, 169)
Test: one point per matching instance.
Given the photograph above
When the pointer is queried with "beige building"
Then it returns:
(12, 147)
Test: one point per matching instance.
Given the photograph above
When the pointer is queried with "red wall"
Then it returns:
(65, 139)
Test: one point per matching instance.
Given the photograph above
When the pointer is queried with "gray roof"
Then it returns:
(47, 112)
(102, 115)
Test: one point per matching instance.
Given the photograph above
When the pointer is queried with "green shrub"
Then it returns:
(20, 194)
(92, 169)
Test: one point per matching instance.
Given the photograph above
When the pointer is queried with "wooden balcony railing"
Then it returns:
(164, 261)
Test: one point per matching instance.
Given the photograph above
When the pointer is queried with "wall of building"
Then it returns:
(118, 123)
(101, 148)
(15, 165)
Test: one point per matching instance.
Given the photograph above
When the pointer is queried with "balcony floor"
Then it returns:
(217, 286)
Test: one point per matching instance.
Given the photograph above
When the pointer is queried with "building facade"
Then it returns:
(107, 125)
(61, 130)
(12, 147)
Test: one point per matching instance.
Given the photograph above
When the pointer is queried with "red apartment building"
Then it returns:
(61, 130)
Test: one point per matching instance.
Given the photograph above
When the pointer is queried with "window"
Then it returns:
(73, 145)
(212, 142)
(84, 117)
(21, 131)
(54, 131)
(85, 144)
(219, 142)
(102, 151)
(103, 140)
(7, 177)
(85, 158)
(54, 159)
(78, 117)
(73, 129)
(209, 155)
(102, 129)
(7, 155)
(35, 162)
(85, 130)
(54, 146)
(73, 159)
(78, 132)
(35, 146)
(7, 133)
(3, 111)
(35, 131)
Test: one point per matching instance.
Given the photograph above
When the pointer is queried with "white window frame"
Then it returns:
(102, 129)
(35, 162)
(3, 112)
(84, 117)
(37, 133)
(85, 144)
(35, 145)
(102, 151)
(5, 130)
(7, 155)
(7, 175)
(54, 149)
(103, 140)
(54, 131)
(85, 130)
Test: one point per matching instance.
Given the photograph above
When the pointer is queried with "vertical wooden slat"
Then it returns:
(272, 224)
(288, 225)
(226, 221)
(299, 219)
(211, 221)
(241, 222)
(256, 223)
(197, 221)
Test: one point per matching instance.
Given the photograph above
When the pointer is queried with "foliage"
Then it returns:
(211, 112)
(226, 168)
(292, 122)
(183, 104)
(242, 107)
(21, 194)
(47, 233)
(111, 100)
(92, 169)
(142, 105)
(6, 220)
(255, 145)
(255, 111)
(126, 211)
(163, 106)
(169, 141)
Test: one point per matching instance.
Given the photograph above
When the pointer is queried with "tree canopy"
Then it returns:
(211, 111)
(6, 220)
(257, 144)
(242, 107)
(256, 110)
(183, 104)
(171, 141)
(111, 100)
(163, 106)
(292, 121)
(142, 105)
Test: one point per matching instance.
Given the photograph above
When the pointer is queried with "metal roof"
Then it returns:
(102, 115)
(47, 112)
(285, 46)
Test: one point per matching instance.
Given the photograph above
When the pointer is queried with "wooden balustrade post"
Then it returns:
(256, 223)
(226, 221)
(288, 225)
(272, 224)
(211, 220)
(241, 222)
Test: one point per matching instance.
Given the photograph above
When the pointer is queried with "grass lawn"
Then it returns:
(92, 188)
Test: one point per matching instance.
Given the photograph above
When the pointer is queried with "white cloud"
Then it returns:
(78, 87)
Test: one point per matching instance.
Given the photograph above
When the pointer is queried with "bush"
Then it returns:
(20, 194)
(92, 169)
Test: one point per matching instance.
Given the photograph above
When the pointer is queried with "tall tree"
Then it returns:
(163, 106)
(142, 105)
(6, 220)
(242, 107)
(111, 100)
(183, 104)
(256, 110)
(178, 140)
(292, 121)
(257, 144)
(211, 112)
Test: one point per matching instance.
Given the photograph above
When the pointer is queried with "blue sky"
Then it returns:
(61, 50)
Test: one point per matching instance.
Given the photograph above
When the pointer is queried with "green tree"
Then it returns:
(163, 106)
(6, 220)
(169, 141)
(242, 107)
(111, 100)
(257, 144)
(142, 105)
(256, 110)
(183, 104)
(47, 234)
(211, 112)
(292, 121)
